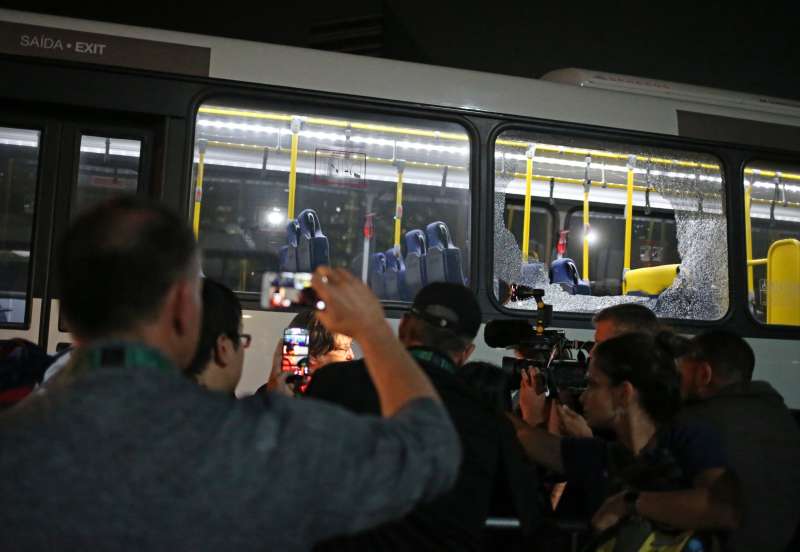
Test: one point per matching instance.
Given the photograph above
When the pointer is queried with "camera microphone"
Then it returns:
(500, 334)
(516, 292)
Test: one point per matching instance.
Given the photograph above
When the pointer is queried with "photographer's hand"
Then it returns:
(351, 307)
(277, 377)
(613, 510)
(571, 423)
(532, 404)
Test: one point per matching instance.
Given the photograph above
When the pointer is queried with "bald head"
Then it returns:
(625, 318)
(119, 264)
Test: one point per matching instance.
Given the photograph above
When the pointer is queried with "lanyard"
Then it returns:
(433, 358)
(123, 355)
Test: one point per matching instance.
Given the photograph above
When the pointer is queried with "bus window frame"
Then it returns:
(754, 158)
(76, 128)
(576, 131)
(35, 247)
(143, 175)
(325, 104)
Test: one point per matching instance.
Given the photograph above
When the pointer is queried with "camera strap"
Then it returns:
(122, 355)
(433, 358)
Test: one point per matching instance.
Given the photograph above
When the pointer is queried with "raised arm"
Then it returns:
(352, 309)
(539, 445)
(713, 503)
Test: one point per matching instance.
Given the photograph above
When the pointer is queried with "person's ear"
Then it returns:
(464, 356)
(402, 330)
(223, 350)
(182, 304)
(703, 374)
(626, 393)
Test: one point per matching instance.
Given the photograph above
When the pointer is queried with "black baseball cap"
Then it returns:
(448, 306)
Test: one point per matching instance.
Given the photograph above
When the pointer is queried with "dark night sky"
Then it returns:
(751, 48)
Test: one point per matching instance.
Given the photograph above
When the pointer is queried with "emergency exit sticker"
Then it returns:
(136, 53)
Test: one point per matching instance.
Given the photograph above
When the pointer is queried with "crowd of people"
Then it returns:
(137, 439)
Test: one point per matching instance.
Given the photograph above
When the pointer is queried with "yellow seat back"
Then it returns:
(783, 283)
(650, 280)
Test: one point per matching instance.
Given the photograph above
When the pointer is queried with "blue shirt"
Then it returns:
(677, 455)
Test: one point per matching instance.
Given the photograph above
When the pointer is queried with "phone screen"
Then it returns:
(295, 351)
(281, 290)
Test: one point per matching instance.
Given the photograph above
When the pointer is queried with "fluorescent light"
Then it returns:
(24, 143)
(771, 185)
(335, 137)
(605, 167)
(275, 217)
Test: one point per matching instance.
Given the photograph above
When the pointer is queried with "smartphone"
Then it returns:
(294, 358)
(281, 290)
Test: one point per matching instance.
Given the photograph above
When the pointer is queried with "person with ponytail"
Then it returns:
(669, 474)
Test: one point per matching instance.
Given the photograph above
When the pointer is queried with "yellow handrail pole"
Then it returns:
(586, 236)
(526, 220)
(586, 187)
(398, 207)
(629, 216)
(748, 240)
(296, 124)
(198, 189)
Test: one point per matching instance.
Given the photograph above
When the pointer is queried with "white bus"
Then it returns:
(598, 188)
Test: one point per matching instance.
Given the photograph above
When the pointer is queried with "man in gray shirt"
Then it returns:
(123, 451)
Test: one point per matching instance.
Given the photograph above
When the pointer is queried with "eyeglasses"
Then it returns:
(245, 340)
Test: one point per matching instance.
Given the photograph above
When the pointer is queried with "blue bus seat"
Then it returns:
(376, 272)
(415, 249)
(395, 277)
(564, 273)
(287, 255)
(443, 262)
(313, 249)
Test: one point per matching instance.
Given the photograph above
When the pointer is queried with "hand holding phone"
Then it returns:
(294, 358)
(281, 290)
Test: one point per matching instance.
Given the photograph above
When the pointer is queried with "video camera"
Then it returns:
(560, 365)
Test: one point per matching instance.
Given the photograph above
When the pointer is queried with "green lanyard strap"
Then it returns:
(433, 358)
(124, 355)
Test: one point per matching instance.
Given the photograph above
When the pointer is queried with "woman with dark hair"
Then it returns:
(669, 474)
(324, 348)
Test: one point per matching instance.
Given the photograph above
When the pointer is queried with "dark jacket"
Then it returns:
(491, 458)
(763, 445)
